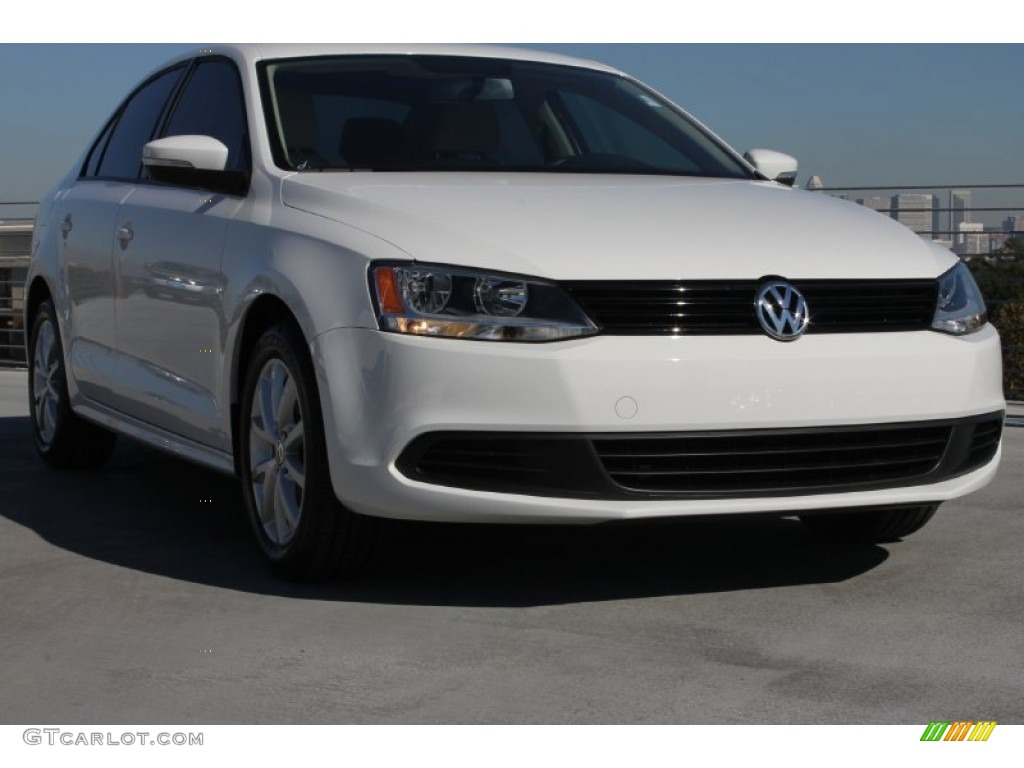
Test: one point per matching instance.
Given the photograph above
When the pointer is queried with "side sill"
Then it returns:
(158, 438)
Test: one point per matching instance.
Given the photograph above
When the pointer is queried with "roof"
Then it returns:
(251, 52)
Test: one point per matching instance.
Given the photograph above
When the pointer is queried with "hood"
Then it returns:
(610, 227)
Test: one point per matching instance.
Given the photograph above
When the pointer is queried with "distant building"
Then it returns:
(997, 240)
(1013, 224)
(875, 203)
(959, 210)
(971, 239)
(915, 211)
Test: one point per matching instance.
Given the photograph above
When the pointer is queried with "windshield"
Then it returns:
(441, 113)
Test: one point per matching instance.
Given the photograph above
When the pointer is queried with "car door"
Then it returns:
(171, 326)
(86, 217)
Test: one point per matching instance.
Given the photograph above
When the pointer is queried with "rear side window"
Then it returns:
(96, 153)
(212, 105)
(136, 125)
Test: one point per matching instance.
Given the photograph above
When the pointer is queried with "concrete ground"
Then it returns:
(126, 597)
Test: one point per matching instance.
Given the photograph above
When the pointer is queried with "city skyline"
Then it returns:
(954, 210)
(950, 217)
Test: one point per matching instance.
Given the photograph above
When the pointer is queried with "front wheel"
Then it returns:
(870, 525)
(64, 441)
(302, 528)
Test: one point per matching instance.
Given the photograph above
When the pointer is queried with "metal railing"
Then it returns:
(973, 205)
(15, 244)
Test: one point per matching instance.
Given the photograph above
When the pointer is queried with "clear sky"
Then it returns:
(854, 114)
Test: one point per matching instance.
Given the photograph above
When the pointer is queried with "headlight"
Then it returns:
(461, 303)
(960, 308)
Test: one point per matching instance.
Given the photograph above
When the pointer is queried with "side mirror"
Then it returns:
(204, 153)
(777, 166)
(193, 161)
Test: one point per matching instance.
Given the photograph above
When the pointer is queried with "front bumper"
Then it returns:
(379, 392)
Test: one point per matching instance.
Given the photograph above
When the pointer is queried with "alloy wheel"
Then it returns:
(45, 384)
(277, 460)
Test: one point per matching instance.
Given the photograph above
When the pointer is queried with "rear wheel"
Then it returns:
(870, 525)
(302, 528)
(64, 441)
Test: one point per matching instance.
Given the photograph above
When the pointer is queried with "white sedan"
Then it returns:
(491, 285)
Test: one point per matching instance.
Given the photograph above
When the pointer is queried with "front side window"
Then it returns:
(212, 105)
(437, 113)
(136, 125)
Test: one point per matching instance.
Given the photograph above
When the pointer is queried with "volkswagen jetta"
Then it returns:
(491, 285)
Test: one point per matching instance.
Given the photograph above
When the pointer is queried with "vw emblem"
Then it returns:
(782, 310)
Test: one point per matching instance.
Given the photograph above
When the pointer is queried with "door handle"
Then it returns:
(65, 226)
(124, 236)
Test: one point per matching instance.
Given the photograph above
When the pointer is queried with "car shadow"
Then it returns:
(151, 512)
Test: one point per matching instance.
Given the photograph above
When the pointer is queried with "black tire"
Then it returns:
(64, 440)
(305, 533)
(870, 525)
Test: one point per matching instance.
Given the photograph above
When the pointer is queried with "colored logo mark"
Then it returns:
(958, 730)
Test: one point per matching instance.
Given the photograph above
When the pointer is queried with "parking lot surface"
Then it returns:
(134, 595)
